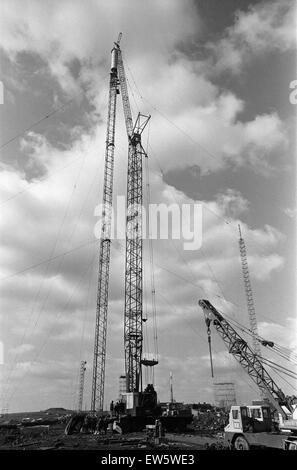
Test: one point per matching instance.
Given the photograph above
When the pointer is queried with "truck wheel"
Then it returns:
(241, 443)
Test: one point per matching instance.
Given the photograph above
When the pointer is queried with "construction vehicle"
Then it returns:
(137, 410)
(272, 425)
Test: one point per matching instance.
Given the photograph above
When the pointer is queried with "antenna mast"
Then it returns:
(81, 384)
(105, 241)
(249, 295)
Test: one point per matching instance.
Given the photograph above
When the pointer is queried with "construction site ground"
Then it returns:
(46, 431)
(55, 439)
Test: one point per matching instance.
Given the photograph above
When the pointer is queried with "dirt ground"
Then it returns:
(55, 439)
(16, 433)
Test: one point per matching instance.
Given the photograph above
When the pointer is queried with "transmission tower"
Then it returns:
(105, 240)
(81, 384)
(249, 295)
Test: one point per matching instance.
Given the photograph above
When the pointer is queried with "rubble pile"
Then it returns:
(210, 422)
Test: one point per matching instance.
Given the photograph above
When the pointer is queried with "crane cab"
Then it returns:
(260, 418)
(255, 418)
(238, 419)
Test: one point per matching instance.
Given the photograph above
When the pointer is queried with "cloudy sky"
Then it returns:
(215, 77)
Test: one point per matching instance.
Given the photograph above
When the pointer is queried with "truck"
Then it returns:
(268, 425)
(254, 426)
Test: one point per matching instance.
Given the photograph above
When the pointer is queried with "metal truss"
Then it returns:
(239, 348)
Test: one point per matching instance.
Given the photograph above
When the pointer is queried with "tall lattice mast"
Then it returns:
(171, 388)
(249, 295)
(133, 271)
(105, 240)
(81, 384)
(133, 335)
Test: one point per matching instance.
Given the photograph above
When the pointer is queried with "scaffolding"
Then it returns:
(224, 394)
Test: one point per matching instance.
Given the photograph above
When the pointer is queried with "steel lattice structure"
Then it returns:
(249, 295)
(97, 399)
(250, 362)
(133, 269)
(133, 336)
(125, 96)
(82, 371)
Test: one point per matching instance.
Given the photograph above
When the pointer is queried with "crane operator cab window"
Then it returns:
(235, 414)
(244, 419)
(261, 419)
(238, 419)
(235, 418)
(267, 420)
(256, 414)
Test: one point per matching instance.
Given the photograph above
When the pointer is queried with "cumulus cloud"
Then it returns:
(284, 335)
(222, 360)
(22, 348)
(265, 27)
(177, 91)
(51, 304)
(291, 213)
(216, 127)
(232, 203)
(63, 31)
(57, 296)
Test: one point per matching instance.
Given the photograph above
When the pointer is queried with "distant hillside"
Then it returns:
(50, 412)
(57, 410)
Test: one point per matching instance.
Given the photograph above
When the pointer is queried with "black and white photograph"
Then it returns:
(148, 230)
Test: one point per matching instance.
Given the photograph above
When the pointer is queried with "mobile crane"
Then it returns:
(253, 425)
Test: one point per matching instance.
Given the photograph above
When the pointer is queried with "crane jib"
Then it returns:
(241, 351)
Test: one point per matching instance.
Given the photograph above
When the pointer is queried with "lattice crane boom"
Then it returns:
(133, 315)
(82, 372)
(241, 351)
(125, 95)
(98, 379)
(249, 295)
(133, 337)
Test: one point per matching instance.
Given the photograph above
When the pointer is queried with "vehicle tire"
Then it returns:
(241, 443)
